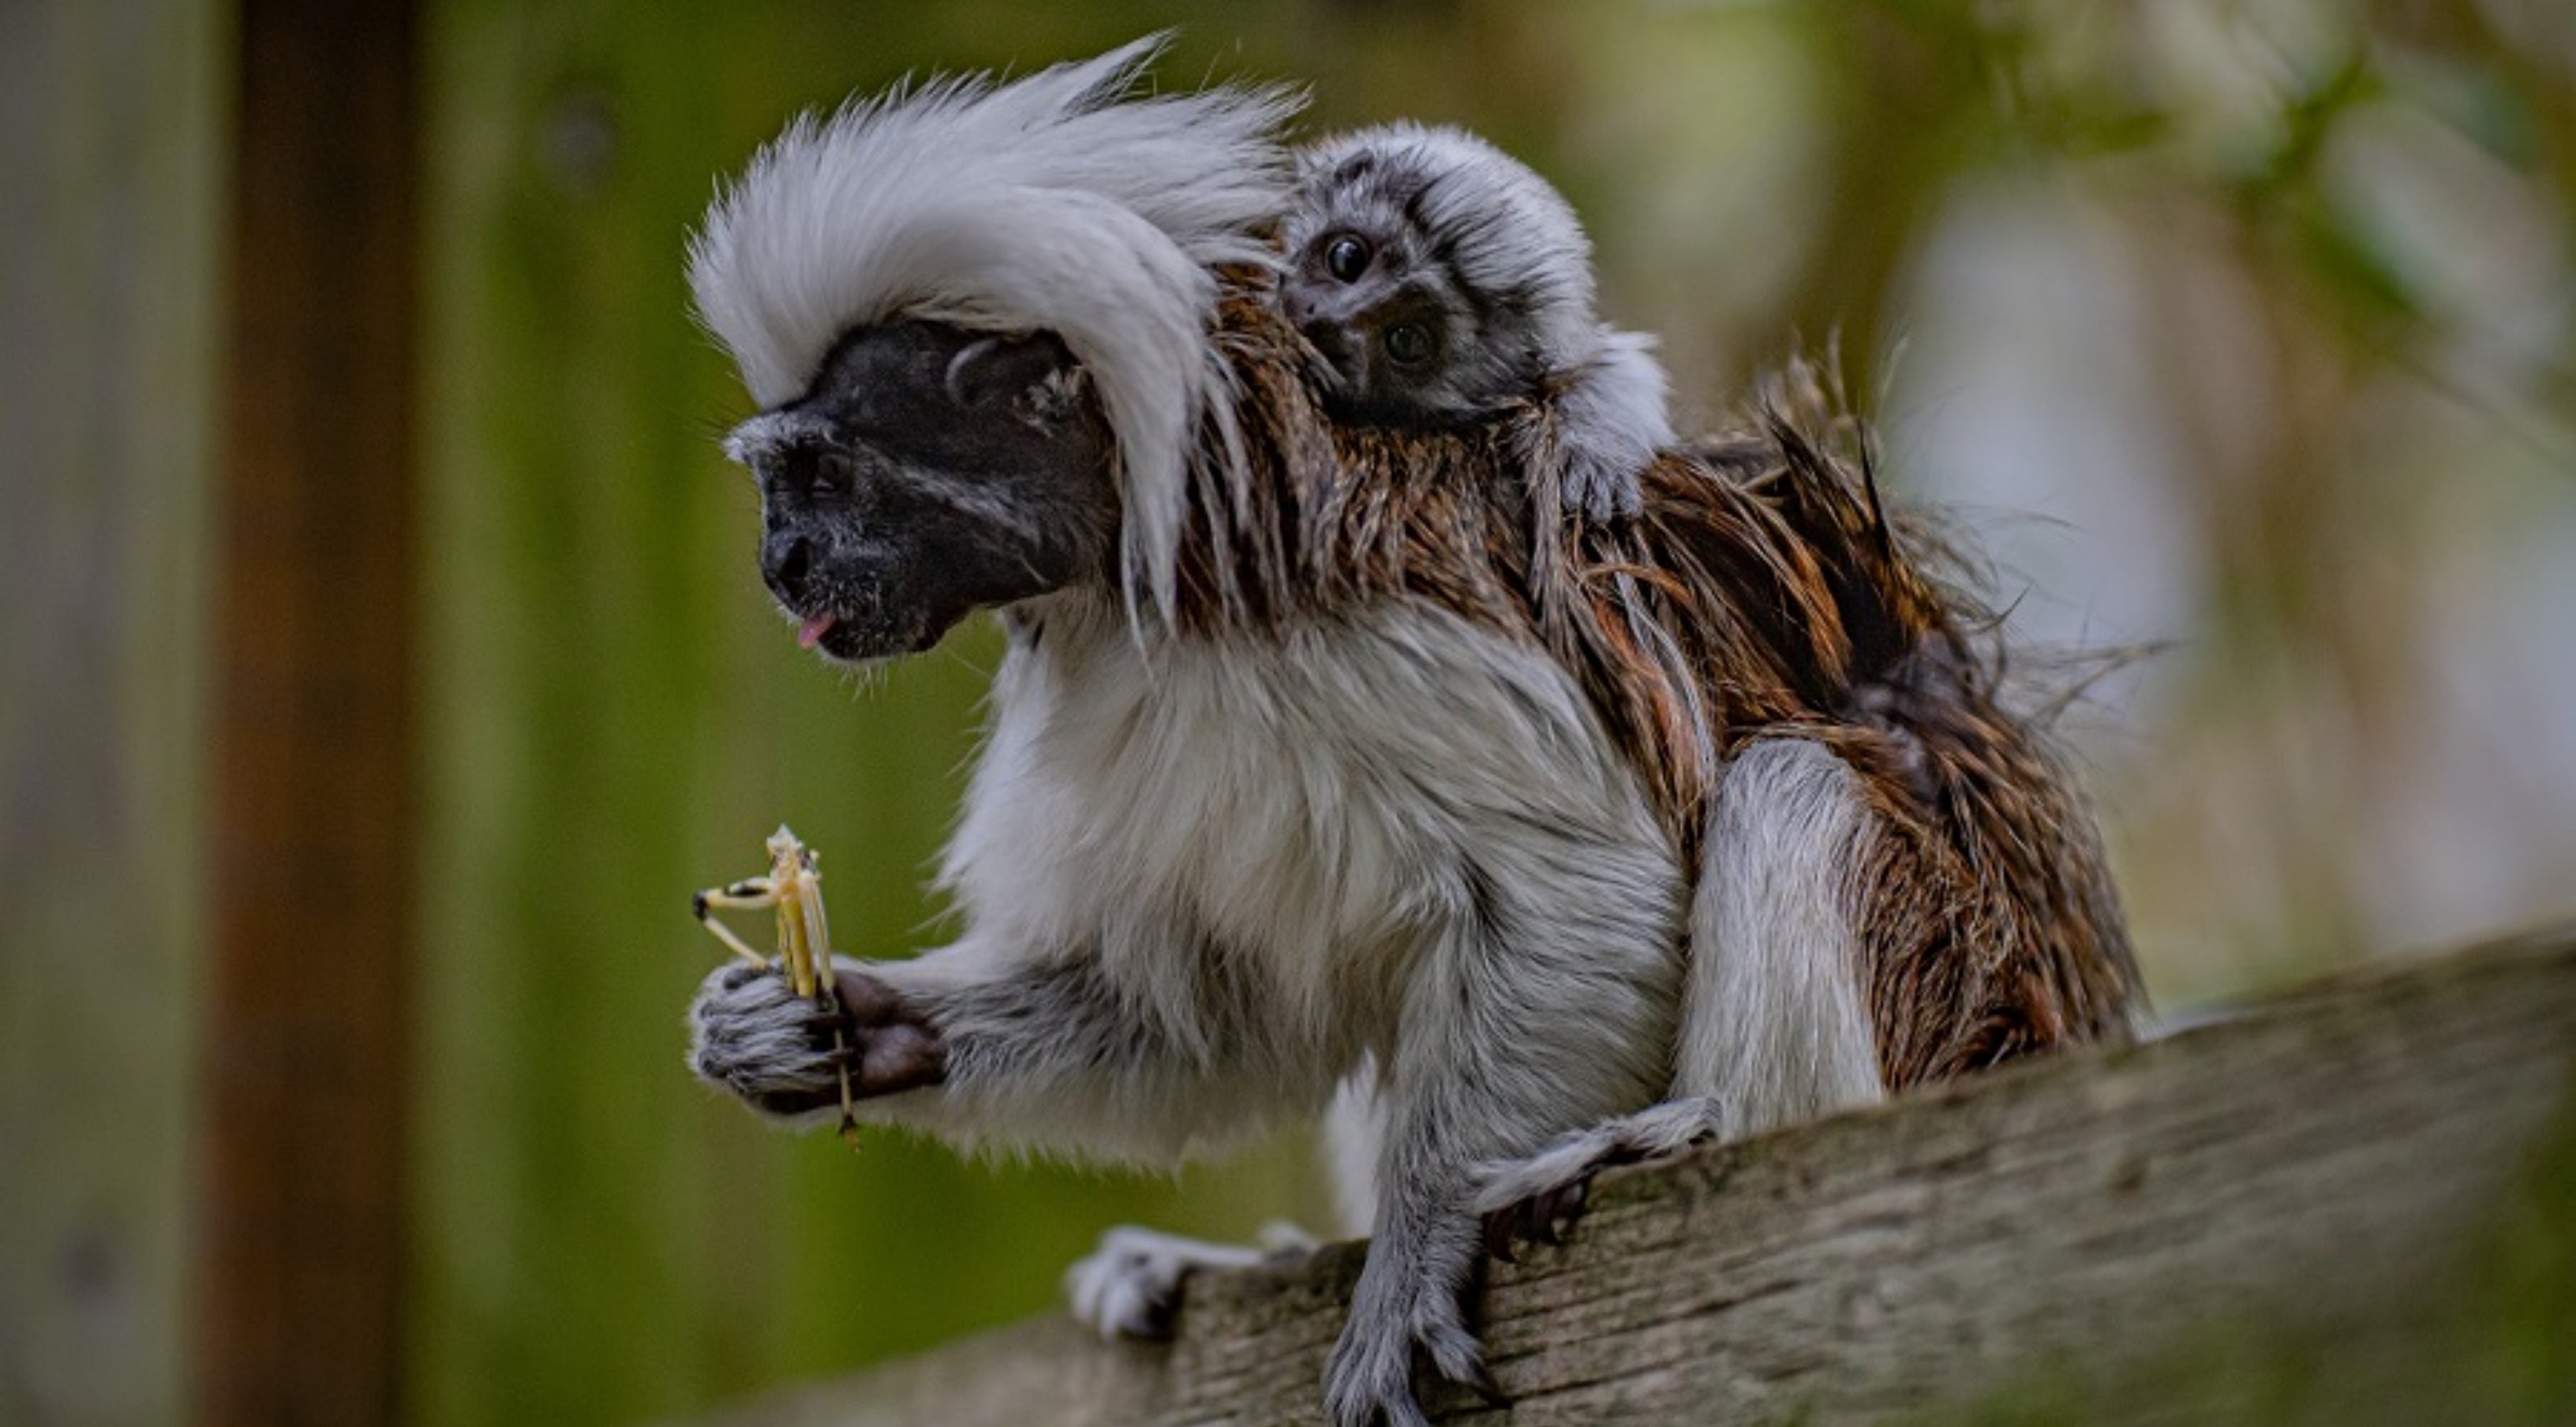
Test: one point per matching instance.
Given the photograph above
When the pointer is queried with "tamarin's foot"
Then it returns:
(1541, 1198)
(1130, 1287)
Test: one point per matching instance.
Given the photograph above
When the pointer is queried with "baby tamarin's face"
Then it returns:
(1438, 276)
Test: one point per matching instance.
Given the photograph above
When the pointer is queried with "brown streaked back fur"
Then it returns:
(1762, 592)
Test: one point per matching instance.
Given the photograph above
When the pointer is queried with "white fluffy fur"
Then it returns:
(1308, 812)
(1055, 202)
(1354, 1132)
(1261, 855)
(1613, 415)
(1396, 849)
(1775, 1028)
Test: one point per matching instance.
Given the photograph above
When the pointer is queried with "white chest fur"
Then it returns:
(1312, 804)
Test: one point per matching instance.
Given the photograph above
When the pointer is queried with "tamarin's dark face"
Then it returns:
(929, 471)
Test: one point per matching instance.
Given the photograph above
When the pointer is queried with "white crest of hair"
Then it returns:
(1065, 202)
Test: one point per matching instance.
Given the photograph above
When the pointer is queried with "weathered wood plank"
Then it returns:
(2326, 1170)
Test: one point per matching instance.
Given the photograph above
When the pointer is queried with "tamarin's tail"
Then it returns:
(1893, 581)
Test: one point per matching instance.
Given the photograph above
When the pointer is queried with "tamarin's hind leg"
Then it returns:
(1775, 1025)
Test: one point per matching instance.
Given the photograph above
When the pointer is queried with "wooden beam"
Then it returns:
(2357, 1204)
(302, 1171)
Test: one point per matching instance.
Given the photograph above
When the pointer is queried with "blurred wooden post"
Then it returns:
(297, 1303)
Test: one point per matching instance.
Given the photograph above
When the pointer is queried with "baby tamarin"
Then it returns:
(1315, 770)
(1443, 280)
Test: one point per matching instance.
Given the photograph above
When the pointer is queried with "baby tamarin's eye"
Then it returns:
(1346, 257)
(1409, 344)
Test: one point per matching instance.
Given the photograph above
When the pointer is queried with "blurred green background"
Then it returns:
(2243, 327)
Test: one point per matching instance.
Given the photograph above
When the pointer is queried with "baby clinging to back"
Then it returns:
(1442, 280)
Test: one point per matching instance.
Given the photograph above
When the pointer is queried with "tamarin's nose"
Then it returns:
(785, 562)
(1332, 342)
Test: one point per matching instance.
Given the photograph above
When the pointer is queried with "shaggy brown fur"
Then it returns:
(1762, 593)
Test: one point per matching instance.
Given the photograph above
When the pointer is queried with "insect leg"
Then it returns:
(748, 895)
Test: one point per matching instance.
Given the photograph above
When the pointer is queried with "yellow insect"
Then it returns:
(794, 887)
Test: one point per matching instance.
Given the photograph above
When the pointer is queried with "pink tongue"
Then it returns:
(811, 632)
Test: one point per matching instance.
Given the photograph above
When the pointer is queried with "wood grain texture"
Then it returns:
(2097, 1228)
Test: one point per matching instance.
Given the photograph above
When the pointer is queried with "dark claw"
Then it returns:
(1543, 1218)
(1563, 1207)
(1529, 1222)
(1481, 1382)
(794, 1102)
(1539, 1222)
(1159, 1316)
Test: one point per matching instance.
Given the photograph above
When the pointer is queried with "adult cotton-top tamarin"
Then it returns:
(1315, 764)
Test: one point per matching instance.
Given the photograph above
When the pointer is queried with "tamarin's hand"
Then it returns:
(752, 1034)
